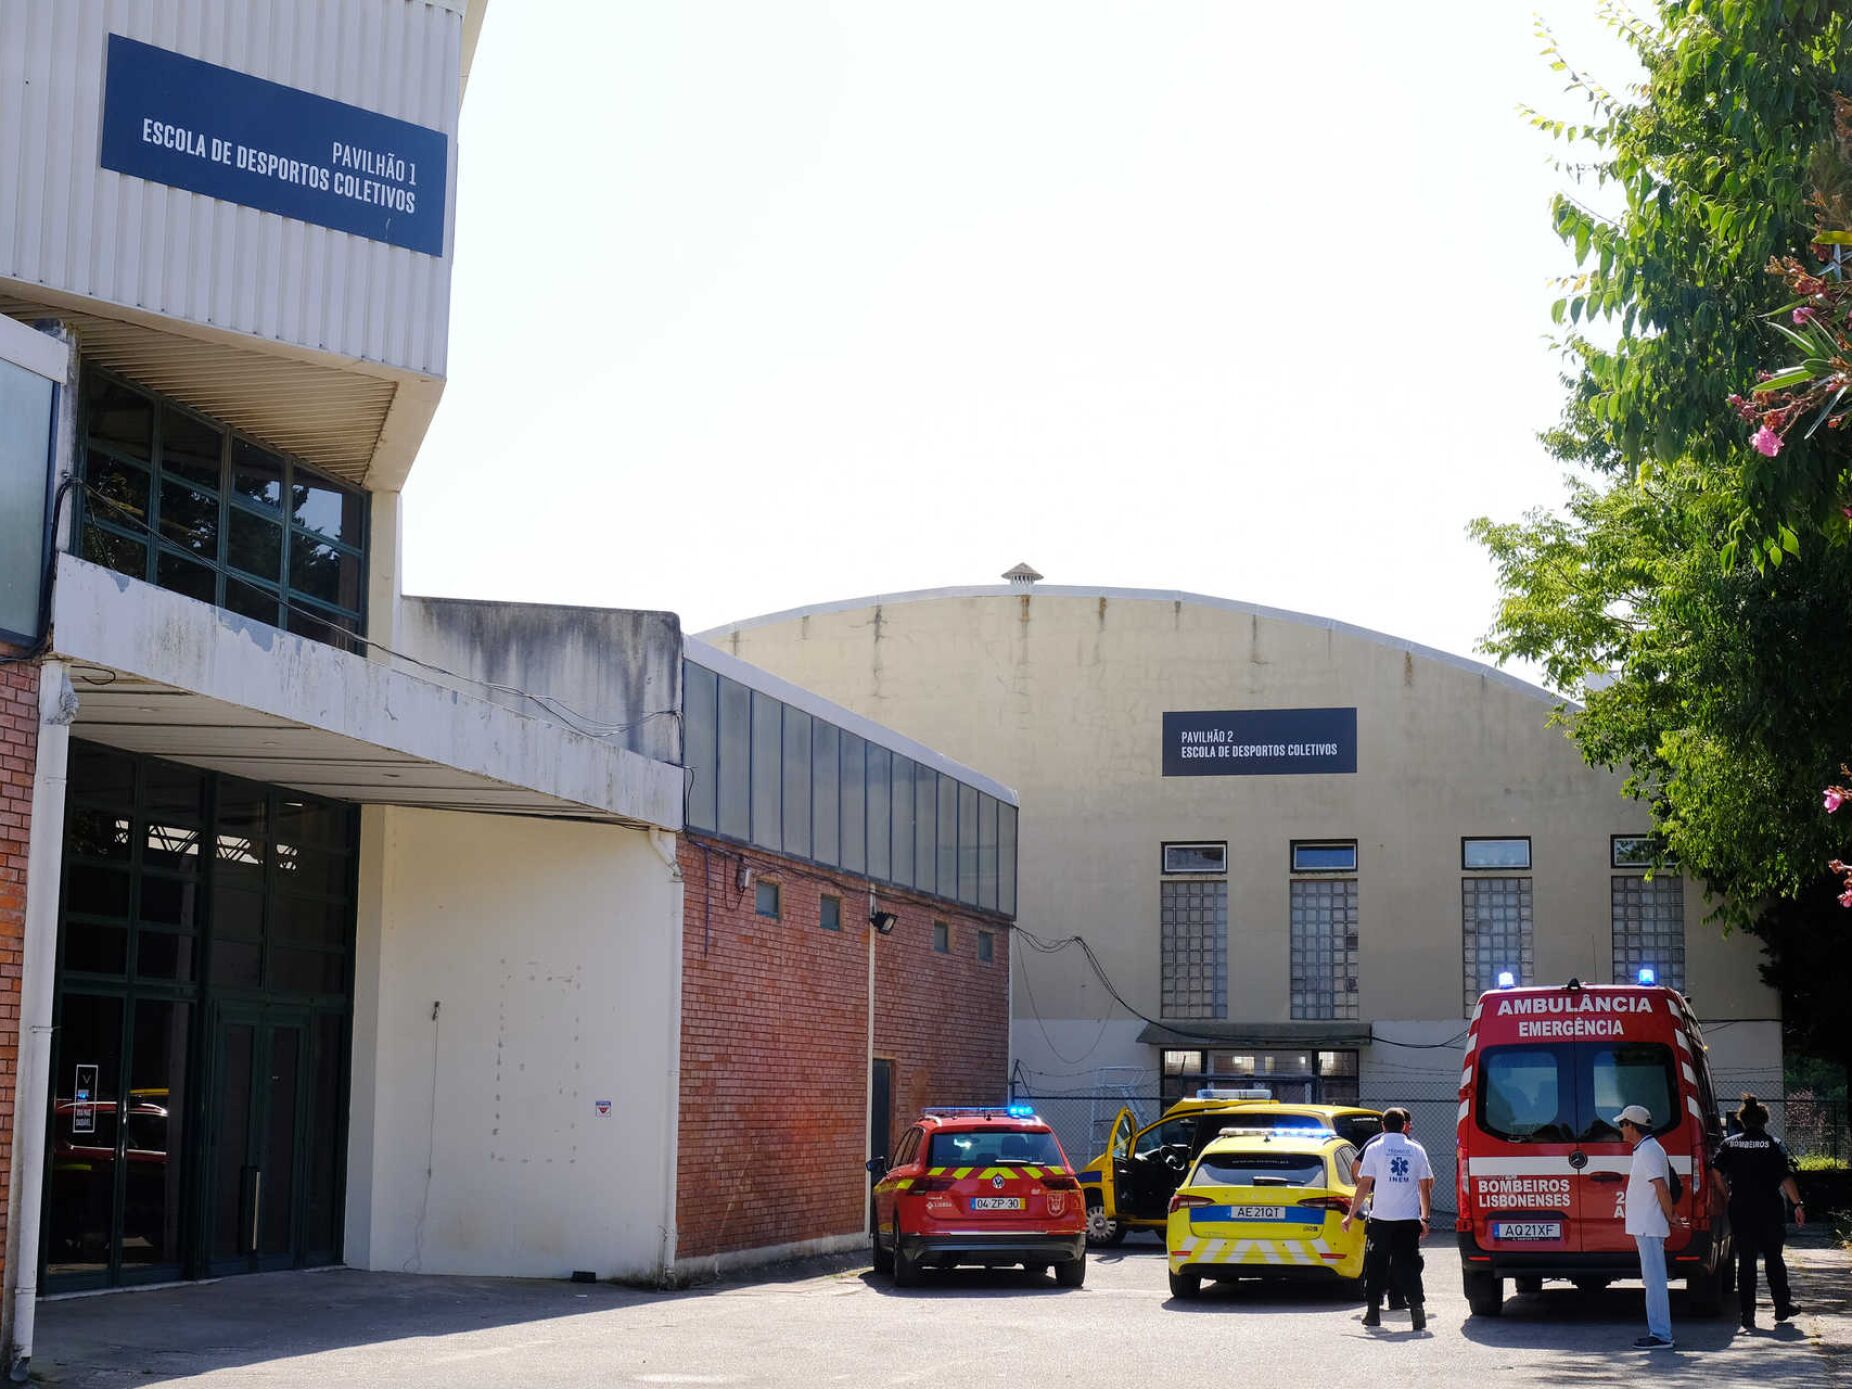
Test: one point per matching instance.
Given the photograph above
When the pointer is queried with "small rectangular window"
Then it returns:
(767, 900)
(941, 938)
(1196, 858)
(986, 947)
(1324, 856)
(1635, 851)
(829, 914)
(1495, 853)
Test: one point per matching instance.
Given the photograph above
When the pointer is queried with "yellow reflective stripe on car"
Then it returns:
(1250, 1251)
(961, 1173)
(935, 1171)
(1035, 1172)
(903, 1183)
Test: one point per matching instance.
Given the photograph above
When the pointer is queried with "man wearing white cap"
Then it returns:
(1650, 1218)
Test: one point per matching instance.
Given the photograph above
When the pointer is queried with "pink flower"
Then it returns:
(1805, 315)
(1845, 898)
(1833, 800)
(1766, 442)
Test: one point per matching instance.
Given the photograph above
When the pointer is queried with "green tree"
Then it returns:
(1695, 593)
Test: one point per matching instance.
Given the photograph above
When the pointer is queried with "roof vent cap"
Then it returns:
(1022, 576)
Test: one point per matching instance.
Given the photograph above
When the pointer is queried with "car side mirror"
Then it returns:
(876, 1164)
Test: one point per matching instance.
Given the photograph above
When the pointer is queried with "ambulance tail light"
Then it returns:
(1060, 1181)
(1183, 1201)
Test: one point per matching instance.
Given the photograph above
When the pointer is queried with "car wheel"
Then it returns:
(1527, 1286)
(1072, 1273)
(883, 1259)
(1485, 1294)
(906, 1266)
(1103, 1232)
(1184, 1286)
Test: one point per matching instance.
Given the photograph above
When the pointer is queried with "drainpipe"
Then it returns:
(667, 1254)
(38, 961)
(868, 1069)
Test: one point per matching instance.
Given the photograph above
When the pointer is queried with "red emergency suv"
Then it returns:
(984, 1186)
(1542, 1171)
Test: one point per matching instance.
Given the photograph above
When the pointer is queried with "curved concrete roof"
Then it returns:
(1149, 595)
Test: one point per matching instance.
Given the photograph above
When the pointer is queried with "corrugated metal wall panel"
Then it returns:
(69, 224)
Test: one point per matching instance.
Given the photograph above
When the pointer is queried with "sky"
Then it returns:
(763, 305)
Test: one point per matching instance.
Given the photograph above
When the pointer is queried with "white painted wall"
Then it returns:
(554, 950)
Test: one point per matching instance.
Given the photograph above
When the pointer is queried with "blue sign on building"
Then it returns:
(207, 129)
(1260, 742)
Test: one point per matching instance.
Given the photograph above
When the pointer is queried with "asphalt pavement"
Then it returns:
(837, 1323)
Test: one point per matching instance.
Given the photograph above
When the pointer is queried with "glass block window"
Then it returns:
(1324, 948)
(179, 500)
(1649, 929)
(1193, 931)
(1499, 932)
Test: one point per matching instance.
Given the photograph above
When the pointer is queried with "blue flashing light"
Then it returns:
(1507, 980)
(1648, 975)
(1022, 1111)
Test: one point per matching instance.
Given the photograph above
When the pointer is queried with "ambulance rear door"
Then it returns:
(1612, 1075)
(1522, 1171)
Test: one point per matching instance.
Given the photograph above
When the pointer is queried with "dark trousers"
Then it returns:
(1759, 1236)
(1392, 1259)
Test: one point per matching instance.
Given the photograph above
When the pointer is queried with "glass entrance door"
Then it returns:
(259, 1103)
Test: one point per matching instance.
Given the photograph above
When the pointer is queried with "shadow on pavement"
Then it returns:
(969, 1282)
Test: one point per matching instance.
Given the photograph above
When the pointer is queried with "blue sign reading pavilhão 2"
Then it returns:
(1260, 742)
(194, 125)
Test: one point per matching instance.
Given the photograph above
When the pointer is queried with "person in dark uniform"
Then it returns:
(1753, 1172)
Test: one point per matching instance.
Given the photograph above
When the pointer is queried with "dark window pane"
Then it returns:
(323, 572)
(173, 792)
(900, 827)
(306, 971)
(946, 879)
(854, 803)
(1006, 859)
(80, 1191)
(169, 901)
(115, 552)
(301, 869)
(313, 922)
(249, 600)
(171, 846)
(796, 773)
(880, 769)
(97, 891)
(235, 1066)
(967, 843)
(256, 474)
(234, 962)
(165, 955)
(117, 491)
(190, 519)
(117, 415)
(152, 1134)
(326, 510)
(319, 824)
(700, 742)
(768, 899)
(829, 913)
(94, 949)
(321, 1207)
(189, 447)
(825, 793)
(256, 545)
(184, 576)
(925, 827)
(767, 753)
(98, 834)
(987, 853)
(734, 809)
(237, 911)
(101, 773)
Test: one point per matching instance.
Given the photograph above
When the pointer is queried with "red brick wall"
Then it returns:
(19, 739)
(773, 1130)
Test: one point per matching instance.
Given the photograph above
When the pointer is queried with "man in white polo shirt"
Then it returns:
(1395, 1170)
(1650, 1218)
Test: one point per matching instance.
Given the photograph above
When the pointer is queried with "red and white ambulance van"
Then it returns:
(1542, 1171)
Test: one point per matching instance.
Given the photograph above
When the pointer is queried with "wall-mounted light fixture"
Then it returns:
(883, 922)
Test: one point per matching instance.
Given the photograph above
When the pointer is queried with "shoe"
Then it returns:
(1652, 1343)
(1417, 1317)
(1748, 1328)
(1783, 1313)
(1373, 1315)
